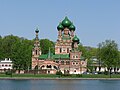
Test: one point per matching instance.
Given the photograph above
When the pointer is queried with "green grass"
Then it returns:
(100, 76)
(31, 75)
(56, 76)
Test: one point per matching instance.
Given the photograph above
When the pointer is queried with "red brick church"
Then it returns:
(67, 57)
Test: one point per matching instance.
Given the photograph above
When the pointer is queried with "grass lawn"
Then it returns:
(58, 76)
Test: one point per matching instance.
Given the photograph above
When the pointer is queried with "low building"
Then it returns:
(5, 65)
(99, 67)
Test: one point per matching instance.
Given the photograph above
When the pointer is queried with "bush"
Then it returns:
(106, 72)
(58, 73)
(8, 72)
(78, 75)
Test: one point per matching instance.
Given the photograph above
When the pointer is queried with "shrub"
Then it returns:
(106, 72)
(8, 72)
(58, 73)
(78, 75)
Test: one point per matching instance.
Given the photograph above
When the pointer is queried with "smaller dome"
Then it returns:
(72, 27)
(75, 39)
(37, 31)
(60, 26)
(66, 22)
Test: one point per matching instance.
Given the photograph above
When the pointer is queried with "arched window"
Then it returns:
(36, 52)
(9, 65)
(60, 50)
(42, 67)
(62, 62)
(67, 50)
(55, 68)
(6, 65)
(49, 66)
(57, 61)
(67, 62)
(76, 56)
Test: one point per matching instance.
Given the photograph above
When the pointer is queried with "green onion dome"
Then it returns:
(75, 39)
(66, 22)
(37, 31)
(60, 26)
(72, 27)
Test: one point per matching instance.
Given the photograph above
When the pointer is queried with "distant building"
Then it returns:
(5, 65)
(67, 57)
(99, 67)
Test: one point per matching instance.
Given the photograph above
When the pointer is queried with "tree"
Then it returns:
(1, 49)
(108, 53)
(88, 53)
(45, 44)
(18, 49)
(22, 54)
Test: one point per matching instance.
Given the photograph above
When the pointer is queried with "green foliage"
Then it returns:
(106, 72)
(45, 44)
(8, 72)
(108, 53)
(18, 49)
(58, 73)
(78, 75)
(87, 52)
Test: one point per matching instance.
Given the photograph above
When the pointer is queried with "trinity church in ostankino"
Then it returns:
(67, 58)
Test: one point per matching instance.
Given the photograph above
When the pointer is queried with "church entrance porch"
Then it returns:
(48, 66)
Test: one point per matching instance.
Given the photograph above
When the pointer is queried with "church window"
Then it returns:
(36, 52)
(6, 65)
(49, 66)
(74, 70)
(76, 56)
(67, 50)
(48, 72)
(64, 50)
(67, 62)
(60, 50)
(55, 68)
(57, 61)
(62, 62)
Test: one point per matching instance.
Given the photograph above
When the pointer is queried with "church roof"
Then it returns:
(54, 56)
(66, 22)
(75, 39)
(61, 56)
(37, 31)
(60, 26)
(72, 27)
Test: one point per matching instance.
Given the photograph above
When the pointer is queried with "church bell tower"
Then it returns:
(36, 51)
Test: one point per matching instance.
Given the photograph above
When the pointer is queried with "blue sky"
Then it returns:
(95, 20)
